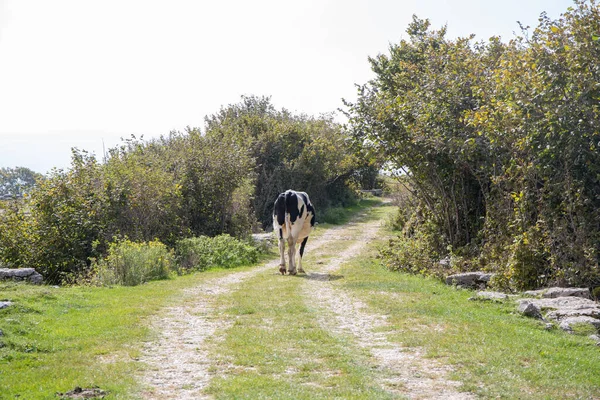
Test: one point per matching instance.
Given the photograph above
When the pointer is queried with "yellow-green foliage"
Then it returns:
(129, 263)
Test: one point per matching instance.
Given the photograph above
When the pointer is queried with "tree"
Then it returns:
(15, 182)
(413, 113)
(289, 151)
(499, 143)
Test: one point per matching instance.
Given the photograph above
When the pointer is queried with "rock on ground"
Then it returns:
(566, 311)
(470, 280)
(493, 296)
(21, 274)
(566, 324)
(554, 292)
(530, 309)
(5, 304)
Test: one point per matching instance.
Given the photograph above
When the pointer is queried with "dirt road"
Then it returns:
(179, 361)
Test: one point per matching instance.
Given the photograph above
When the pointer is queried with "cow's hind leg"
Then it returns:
(300, 270)
(292, 255)
(281, 253)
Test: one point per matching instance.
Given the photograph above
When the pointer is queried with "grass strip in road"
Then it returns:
(277, 349)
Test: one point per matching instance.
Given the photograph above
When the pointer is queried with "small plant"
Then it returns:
(130, 263)
(583, 329)
(223, 251)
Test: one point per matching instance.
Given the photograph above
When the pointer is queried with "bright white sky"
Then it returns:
(77, 73)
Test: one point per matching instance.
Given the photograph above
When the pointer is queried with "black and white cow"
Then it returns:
(293, 219)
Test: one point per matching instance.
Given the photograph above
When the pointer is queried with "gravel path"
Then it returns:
(178, 361)
(179, 365)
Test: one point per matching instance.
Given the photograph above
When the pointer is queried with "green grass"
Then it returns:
(55, 339)
(496, 352)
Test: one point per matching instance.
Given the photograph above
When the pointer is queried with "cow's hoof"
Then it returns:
(282, 270)
(292, 272)
(301, 271)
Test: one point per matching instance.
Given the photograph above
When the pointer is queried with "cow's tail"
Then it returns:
(288, 222)
(288, 206)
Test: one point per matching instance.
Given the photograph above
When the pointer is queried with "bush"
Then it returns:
(130, 264)
(334, 215)
(290, 152)
(416, 253)
(224, 251)
(15, 234)
(499, 142)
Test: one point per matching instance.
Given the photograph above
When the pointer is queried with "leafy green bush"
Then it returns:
(15, 235)
(223, 251)
(222, 180)
(499, 141)
(291, 152)
(415, 251)
(334, 215)
(130, 263)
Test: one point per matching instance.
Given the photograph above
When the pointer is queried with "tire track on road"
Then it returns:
(401, 371)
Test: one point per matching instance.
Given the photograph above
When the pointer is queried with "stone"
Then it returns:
(567, 306)
(21, 274)
(567, 323)
(494, 296)
(264, 241)
(554, 292)
(470, 280)
(567, 312)
(445, 261)
(5, 304)
(529, 309)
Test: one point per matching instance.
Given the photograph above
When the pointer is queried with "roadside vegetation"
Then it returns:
(57, 338)
(218, 181)
(499, 147)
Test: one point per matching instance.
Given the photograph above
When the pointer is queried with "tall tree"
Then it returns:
(14, 182)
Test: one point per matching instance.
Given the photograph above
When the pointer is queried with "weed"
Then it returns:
(129, 263)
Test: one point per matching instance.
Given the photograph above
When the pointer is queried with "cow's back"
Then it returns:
(293, 212)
